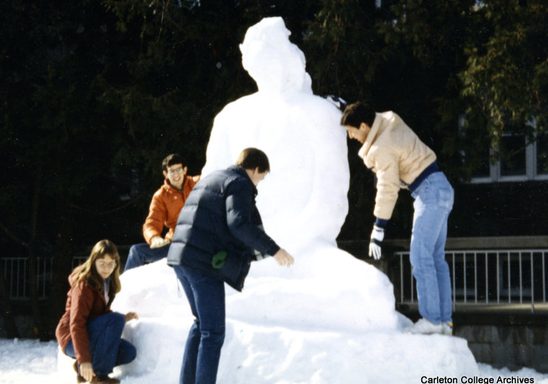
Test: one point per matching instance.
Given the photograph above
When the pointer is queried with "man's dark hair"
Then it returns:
(251, 158)
(356, 113)
(172, 159)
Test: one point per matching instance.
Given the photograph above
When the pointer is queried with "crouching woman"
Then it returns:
(88, 330)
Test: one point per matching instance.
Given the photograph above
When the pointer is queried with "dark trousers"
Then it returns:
(107, 347)
(141, 254)
(206, 297)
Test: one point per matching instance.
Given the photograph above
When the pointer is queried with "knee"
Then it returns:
(422, 269)
(441, 263)
(422, 259)
(214, 336)
(116, 320)
(133, 252)
(130, 352)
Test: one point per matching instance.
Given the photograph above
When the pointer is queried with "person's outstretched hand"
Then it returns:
(375, 245)
(131, 316)
(158, 242)
(283, 258)
(86, 371)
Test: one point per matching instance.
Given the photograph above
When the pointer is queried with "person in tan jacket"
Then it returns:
(164, 210)
(399, 160)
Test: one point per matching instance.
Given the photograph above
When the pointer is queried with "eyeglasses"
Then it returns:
(175, 171)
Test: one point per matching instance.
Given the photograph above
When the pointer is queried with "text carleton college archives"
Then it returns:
(476, 380)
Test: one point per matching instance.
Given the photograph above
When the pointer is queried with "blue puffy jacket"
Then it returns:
(219, 228)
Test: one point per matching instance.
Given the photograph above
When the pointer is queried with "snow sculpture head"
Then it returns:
(272, 60)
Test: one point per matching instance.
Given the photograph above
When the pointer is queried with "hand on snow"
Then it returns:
(86, 371)
(131, 316)
(377, 236)
(158, 242)
(283, 258)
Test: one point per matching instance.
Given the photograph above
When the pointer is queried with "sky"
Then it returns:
(330, 318)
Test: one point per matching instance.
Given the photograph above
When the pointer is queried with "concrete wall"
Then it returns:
(508, 346)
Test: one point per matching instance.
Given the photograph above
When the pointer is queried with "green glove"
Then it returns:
(218, 259)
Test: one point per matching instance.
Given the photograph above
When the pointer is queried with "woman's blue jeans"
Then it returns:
(433, 203)
(107, 347)
(206, 296)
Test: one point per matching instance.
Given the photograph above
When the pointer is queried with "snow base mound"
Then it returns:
(305, 329)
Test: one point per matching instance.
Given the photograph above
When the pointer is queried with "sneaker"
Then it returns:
(425, 327)
(447, 328)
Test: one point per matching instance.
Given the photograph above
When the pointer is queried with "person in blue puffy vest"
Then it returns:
(218, 234)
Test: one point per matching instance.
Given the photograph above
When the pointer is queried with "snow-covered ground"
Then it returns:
(33, 362)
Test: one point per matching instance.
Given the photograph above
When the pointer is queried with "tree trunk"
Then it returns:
(37, 319)
(62, 266)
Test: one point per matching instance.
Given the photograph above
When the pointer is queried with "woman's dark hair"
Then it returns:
(251, 158)
(172, 159)
(356, 113)
(86, 272)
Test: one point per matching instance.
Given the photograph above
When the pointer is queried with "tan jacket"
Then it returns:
(165, 207)
(397, 156)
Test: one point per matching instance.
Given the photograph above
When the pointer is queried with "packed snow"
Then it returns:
(330, 318)
(34, 362)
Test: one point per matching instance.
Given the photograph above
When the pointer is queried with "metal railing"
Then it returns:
(15, 271)
(485, 277)
(479, 277)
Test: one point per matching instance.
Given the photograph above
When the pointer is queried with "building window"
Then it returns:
(517, 160)
(513, 156)
(542, 155)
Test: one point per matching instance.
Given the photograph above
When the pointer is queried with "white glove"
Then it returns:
(377, 236)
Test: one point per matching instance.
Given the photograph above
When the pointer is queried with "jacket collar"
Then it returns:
(241, 171)
(371, 136)
(168, 187)
(381, 119)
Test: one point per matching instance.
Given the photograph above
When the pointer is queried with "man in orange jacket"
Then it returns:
(164, 210)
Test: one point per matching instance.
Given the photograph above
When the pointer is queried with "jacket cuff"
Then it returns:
(382, 223)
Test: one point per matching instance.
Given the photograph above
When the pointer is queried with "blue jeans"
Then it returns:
(206, 296)
(141, 254)
(433, 203)
(107, 347)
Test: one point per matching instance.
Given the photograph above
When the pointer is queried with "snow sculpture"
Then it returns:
(310, 323)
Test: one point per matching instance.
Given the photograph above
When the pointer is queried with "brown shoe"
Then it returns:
(104, 380)
(79, 378)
